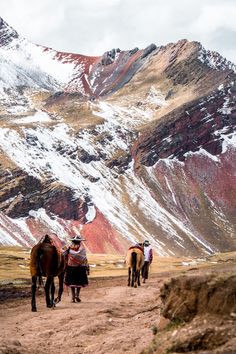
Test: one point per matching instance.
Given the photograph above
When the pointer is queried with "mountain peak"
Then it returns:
(7, 33)
(215, 60)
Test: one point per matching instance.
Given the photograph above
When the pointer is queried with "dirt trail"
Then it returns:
(111, 318)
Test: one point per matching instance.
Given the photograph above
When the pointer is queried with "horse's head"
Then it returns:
(46, 239)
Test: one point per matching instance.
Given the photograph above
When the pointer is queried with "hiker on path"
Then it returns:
(148, 257)
(77, 268)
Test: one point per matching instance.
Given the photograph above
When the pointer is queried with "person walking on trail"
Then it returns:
(148, 257)
(77, 267)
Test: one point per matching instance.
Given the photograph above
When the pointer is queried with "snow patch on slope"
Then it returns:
(26, 64)
(155, 97)
(11, 232)
(38, 117)
(229, 139)
(128, 117)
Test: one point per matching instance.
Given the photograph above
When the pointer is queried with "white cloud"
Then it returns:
(94, 26)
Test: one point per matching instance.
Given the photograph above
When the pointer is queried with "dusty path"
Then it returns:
(111, 318)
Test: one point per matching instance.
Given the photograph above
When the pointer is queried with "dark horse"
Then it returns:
(47, 261)
(134, 261)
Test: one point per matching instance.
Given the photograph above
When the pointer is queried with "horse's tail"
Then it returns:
(134, 260)
(39, 267)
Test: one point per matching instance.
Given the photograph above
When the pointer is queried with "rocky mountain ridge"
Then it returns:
(121, 147)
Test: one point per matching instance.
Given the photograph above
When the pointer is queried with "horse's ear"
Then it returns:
(47, 239)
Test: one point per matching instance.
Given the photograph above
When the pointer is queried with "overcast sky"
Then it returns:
(94, 26)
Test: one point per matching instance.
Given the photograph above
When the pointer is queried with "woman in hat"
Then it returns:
(148, 256)
(77, 267)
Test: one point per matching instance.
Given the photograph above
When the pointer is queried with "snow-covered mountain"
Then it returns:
(128, 146)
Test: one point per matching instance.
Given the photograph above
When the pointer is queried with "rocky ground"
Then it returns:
(198, 303)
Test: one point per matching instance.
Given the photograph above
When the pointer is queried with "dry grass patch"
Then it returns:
(14, 264)
(6, 162)
(77, 114)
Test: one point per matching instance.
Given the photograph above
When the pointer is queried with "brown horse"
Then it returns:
(47, 261)
(134, 261)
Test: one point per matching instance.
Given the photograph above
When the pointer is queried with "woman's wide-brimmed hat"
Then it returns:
(77, 238)
(146, 243)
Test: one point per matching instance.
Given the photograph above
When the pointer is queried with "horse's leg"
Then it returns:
(138, 276)
(33, 292)
(52, 293)
(133, 278)
(60, 289)
(47, 289)
(129, 274)
(134, 268)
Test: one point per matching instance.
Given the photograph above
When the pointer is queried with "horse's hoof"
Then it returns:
(135, 286)
(34, 309)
